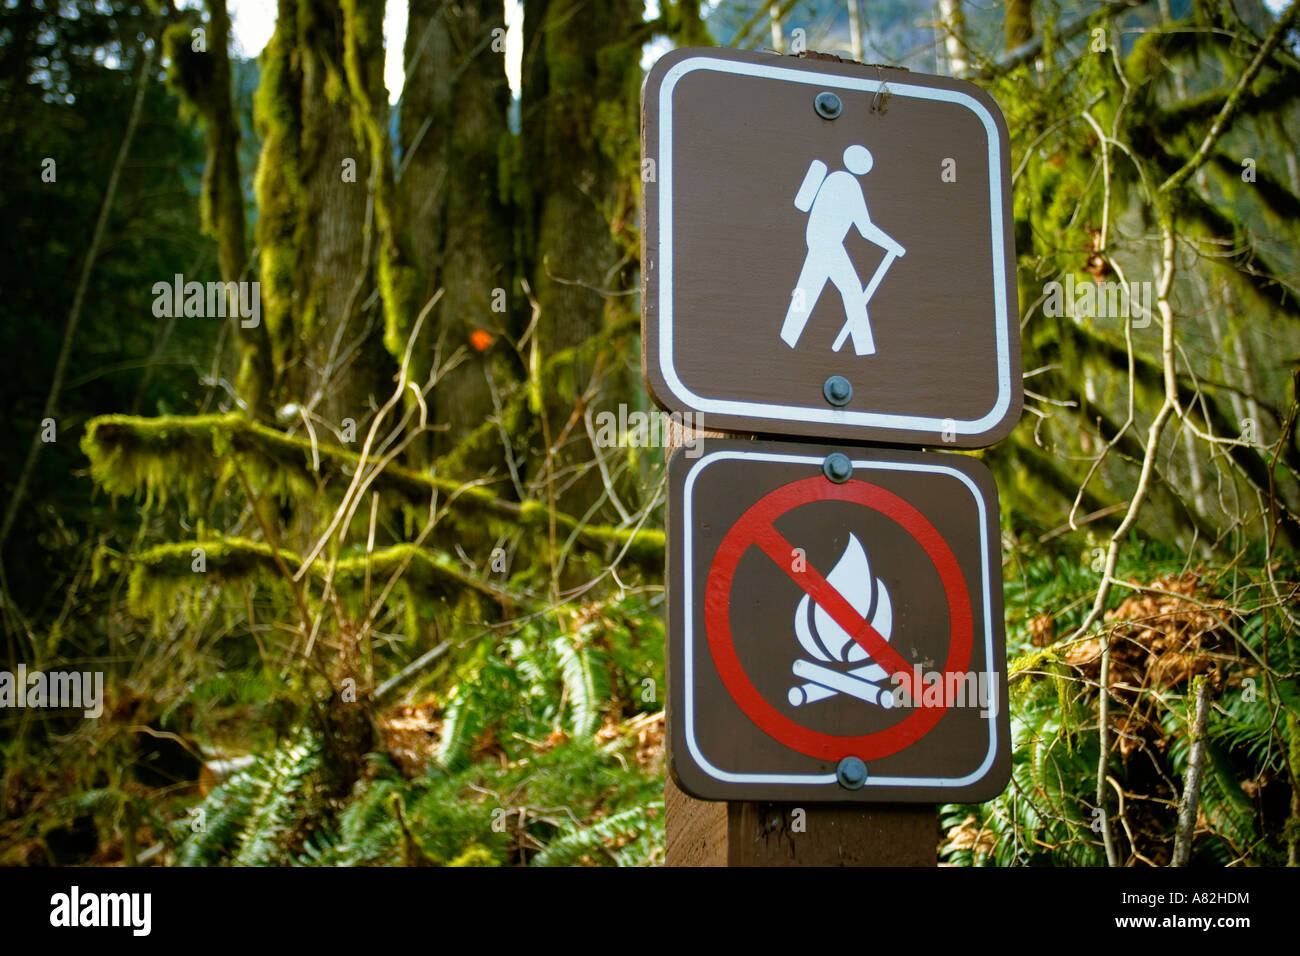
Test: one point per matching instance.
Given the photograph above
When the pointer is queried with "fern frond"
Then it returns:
(585, 673)
(594, 841)
(463, 719)
(252, 818)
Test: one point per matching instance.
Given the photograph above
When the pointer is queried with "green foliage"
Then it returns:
(518, 774)
(586, 682)
(465, 818)
(257, 817)
(461, 723)
(1047, 816)
(627, 831)
(538, 681)
(180, 457)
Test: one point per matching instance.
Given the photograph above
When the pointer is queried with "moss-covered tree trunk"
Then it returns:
(454, 141)
(1019, 24)
(953, 21)
(201, 74)
(324, 189)
(579, 138)
(312, 187)
(223, 196)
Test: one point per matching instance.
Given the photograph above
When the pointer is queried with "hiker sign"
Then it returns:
(835, 625)
(828, 250)
(835, 205)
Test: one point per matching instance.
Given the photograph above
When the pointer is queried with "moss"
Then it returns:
(163, 575)
(517, 407)
(1019, 23)
(435, 570)
(154, 460)
(616, 125)
(399, 289)
(189, 75)
(413, 618)
(278, 183)
(179, 456)
(400, 282)
(194, 77)
(685, 25)
(201, 79)
(476, 854)
(318, 45)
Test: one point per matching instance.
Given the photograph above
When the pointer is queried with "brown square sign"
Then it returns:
(835, 625)
(828, 250)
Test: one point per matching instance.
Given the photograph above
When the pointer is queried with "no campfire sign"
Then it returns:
(828, 250)
(835, 625)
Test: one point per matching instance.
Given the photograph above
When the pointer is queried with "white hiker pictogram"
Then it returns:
(835, 204)
(825, 640)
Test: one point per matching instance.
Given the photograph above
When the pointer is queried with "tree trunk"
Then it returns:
(855, 30)
(954, 36)
(454, 134)
(580, 134)
(203, 79)
(1019, 23)
(312, 184)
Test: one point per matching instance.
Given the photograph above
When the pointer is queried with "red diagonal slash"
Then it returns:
(778, 548)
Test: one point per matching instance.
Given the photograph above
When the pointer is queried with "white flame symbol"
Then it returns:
(851, 577)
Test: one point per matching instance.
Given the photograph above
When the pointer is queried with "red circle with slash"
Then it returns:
(756, 528)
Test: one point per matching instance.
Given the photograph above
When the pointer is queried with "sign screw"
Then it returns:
(851, 773)
(827, 105)
(838, 469)
(838, 390)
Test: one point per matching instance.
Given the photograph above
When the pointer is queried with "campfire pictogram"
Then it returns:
(830, 644)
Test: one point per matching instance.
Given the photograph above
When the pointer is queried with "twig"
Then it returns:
(1233, 103)
(428, 657)
(355, 488)
(1195, 766)
(275, 550)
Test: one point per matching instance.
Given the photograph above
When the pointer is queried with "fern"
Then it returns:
(252, 818)
(594, 841)
(586, 682)
(636, 652)
(497, 751)
(463, 719)
(98, 802)
(275, 812)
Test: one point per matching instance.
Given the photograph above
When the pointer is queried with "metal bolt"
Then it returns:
(828, 105)
(838, 390)
(851, 773)
(837, 467)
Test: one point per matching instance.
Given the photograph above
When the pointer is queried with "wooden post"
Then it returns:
(707, 833)
(703, 833)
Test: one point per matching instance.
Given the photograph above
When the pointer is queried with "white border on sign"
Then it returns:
(811, 414)
(688, 603)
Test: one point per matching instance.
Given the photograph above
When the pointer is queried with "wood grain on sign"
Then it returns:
(742, 833)
(732, 136)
